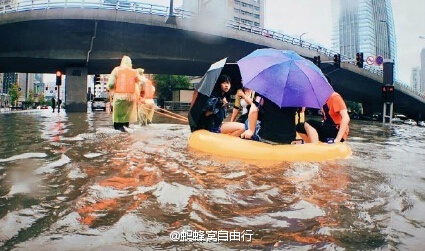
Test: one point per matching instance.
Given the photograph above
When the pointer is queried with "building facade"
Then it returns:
(250, 12)
(25, 81)
(47, 88)
(415, 79)
(8, 80)
(364, 26)
(422, 85)
(99, 90)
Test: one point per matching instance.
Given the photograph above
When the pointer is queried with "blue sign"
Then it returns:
(379, 60)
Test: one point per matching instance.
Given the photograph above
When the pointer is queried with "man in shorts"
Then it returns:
(333, 128)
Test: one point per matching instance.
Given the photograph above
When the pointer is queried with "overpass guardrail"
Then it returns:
(10, 6)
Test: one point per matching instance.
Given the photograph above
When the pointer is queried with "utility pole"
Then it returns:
(171, 17)
(58, 84)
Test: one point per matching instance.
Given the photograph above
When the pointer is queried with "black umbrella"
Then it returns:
(209, 83)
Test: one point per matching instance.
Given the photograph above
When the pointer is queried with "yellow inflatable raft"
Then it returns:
(229, 146)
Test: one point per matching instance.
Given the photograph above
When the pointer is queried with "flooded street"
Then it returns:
(71, 182)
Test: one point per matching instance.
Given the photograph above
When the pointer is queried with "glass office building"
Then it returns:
(364, 26)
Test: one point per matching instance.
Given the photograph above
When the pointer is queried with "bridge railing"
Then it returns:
(278, 36)
(133, 6)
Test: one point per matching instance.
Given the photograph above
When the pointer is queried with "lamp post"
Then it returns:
(301, 43)
(171, 17)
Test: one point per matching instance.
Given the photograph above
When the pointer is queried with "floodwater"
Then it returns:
(71, 182)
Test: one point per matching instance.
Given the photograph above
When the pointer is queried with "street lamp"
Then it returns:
(301, 37)
(171, 17)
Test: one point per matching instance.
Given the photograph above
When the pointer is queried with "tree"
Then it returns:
(14, 93)
(353, 106)
(165, 84)
(30, 99)
(41, 99)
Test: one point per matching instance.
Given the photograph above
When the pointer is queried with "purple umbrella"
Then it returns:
(285, 78)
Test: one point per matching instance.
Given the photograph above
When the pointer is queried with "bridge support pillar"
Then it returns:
(385, 115)
(368, 109)
(76, 89)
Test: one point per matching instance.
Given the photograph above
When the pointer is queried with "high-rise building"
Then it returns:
(422, 85)
(250, 12)
(364, 26)
(415, 79)
(27, 83)
(9, 79)
(37, 84)
(98, 90)
(1, 82)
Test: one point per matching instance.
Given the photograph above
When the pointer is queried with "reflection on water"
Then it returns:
(71, 182)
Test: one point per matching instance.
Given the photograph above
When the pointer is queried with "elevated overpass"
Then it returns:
(90, 37)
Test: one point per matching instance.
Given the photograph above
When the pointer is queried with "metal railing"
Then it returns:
(279, 36)
(132, 6)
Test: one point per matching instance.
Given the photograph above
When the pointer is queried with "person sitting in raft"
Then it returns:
(335, 124)
(214, 111)
(277, 124)
(243, 101)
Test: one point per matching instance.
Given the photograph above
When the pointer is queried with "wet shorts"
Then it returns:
(324, 130)
(257, 128)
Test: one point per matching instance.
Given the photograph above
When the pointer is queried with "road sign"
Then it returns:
(379, 60)
(370, 60)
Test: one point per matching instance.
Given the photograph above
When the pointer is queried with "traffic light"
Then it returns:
(58, 78)
(337, 60)
(359, 59)
(316, 60)
(387, 93)
(390, 94)
(97, 79)
(384, 93)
